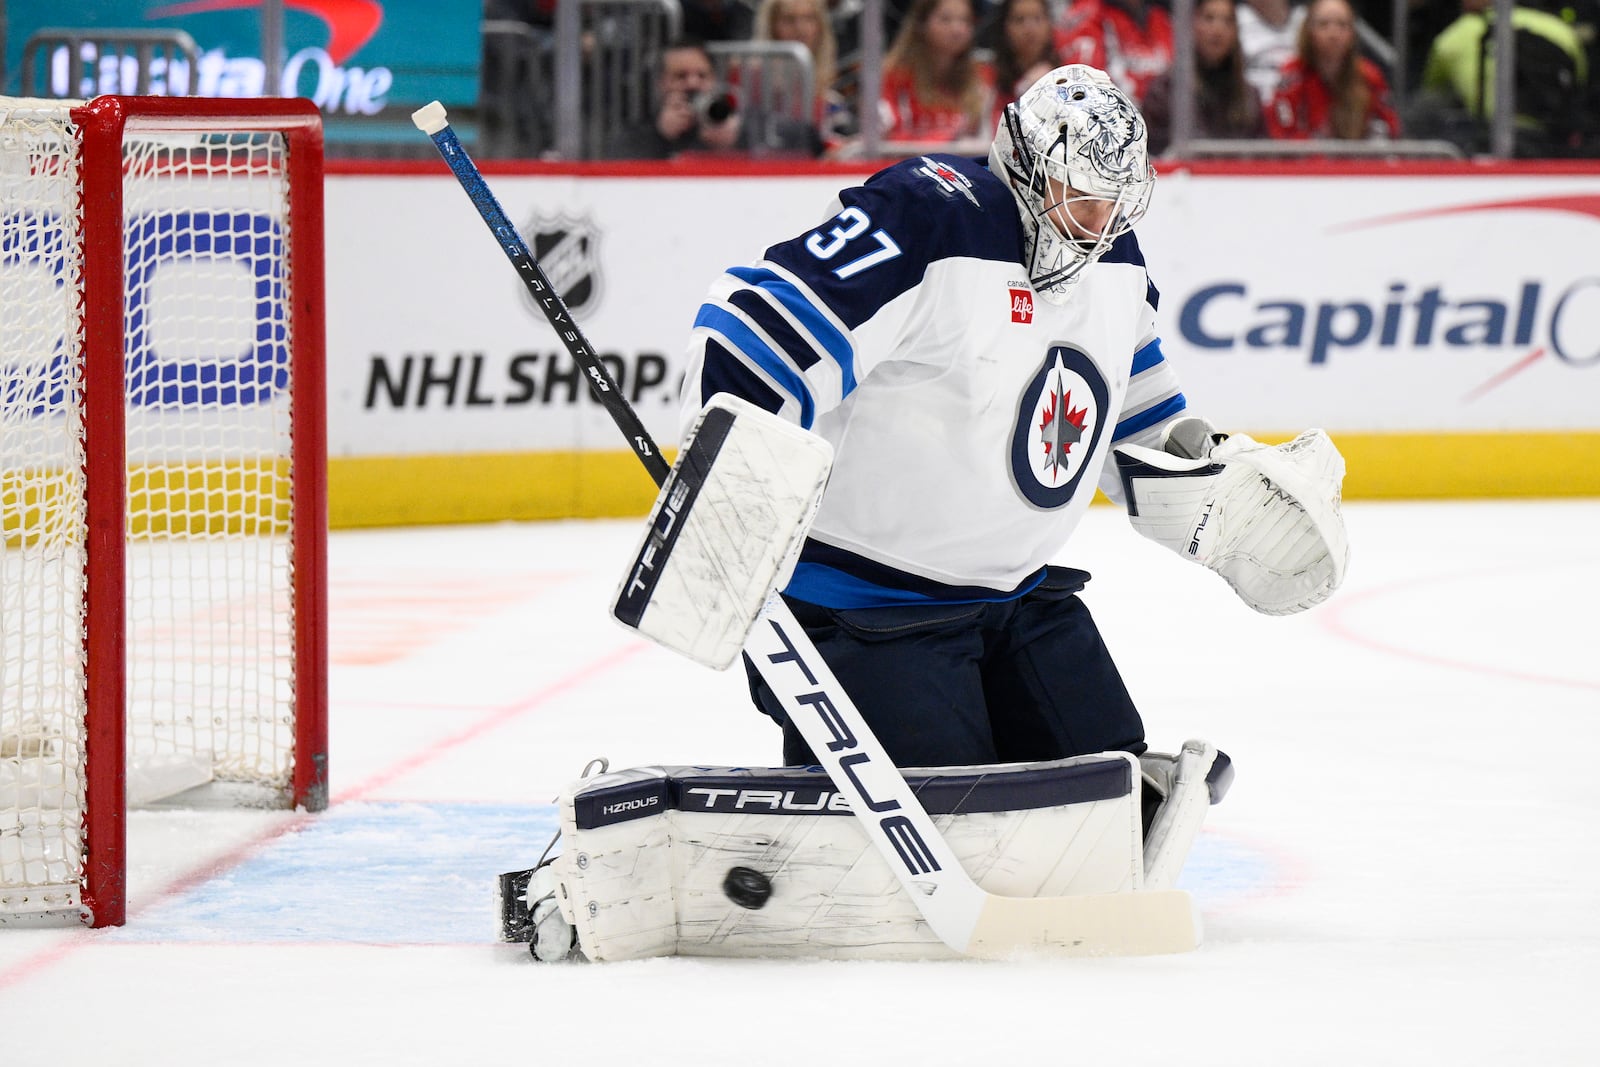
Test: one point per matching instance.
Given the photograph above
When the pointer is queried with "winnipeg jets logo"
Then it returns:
(1061, 418)
(1060, 428)
(949, 180)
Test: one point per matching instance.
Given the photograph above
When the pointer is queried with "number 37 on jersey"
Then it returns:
(851, 240)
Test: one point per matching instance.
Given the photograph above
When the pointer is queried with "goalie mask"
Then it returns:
(1073, 150)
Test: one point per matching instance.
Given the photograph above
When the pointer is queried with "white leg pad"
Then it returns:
(647, 855)
(1182, 778)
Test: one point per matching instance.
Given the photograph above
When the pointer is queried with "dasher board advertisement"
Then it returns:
(1387, 304)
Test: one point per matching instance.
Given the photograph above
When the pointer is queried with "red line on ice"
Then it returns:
(1336, 620)
(77, 939)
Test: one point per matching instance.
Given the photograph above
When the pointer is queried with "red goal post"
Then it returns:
(162, 478)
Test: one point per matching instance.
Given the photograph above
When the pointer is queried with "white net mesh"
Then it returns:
(209, 602)
(41, 517)
(210, 639)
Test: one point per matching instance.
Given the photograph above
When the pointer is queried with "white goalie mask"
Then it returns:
(1073, 131)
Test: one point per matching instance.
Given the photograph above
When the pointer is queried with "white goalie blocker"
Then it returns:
(1266, 518)
(660, 861)
(725, 530)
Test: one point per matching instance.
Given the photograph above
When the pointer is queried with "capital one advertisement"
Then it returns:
(1460, 303)
(353, 57)
(1358, 304)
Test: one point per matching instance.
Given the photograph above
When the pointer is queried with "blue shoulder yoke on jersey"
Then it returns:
(930, 208)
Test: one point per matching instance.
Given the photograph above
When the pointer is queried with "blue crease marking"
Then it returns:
(368, 873)
(1218, 871)
(428, 874)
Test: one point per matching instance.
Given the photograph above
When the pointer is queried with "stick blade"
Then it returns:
(1094, 924)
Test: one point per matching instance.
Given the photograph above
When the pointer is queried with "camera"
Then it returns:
(716, 106)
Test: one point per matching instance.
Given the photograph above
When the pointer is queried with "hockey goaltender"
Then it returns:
(898, 418)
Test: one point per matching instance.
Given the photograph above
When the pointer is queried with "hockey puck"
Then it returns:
(747, 887)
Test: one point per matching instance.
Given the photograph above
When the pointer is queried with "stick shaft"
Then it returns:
(603, 387)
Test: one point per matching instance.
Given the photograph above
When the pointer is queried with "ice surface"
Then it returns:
(1404, 873)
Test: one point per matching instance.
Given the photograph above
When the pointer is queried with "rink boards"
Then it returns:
(1442, 322)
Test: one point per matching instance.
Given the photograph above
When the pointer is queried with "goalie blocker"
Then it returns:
(725, 530)
(659, 861)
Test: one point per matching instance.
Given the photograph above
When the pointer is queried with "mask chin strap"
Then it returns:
(1054, 280)
(1055, 284)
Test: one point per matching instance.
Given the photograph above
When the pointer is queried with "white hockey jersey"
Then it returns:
(971, 420)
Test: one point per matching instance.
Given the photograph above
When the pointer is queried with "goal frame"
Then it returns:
(103, 123)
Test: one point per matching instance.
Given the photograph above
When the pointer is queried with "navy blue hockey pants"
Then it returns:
(959, 684)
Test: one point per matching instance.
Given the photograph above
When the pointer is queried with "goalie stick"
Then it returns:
(966, 917)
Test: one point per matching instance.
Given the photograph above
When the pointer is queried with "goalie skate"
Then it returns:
(529, 915)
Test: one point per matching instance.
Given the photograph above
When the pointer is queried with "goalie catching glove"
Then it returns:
(1264, 517)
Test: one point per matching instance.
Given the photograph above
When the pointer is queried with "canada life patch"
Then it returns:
(1060, 420)
(1021, 305)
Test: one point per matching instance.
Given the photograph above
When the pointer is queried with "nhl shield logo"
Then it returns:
(569, 251)
(1060, 421)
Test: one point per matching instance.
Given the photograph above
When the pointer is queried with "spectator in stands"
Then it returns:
(1226, 105)
(1268, 31)
(1024, 46)
(1584, 18)
(539, 14)
(1551, 82)
(717, 20)
(693, 113)
(1129, 39)
(808, 22)
(1328, 89)
(934, 88)
(847, 16)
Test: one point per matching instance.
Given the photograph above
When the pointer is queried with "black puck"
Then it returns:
(747, 887)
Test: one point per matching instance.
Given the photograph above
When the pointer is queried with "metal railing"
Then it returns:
(80, 63)
(775, 84)
(606, 56)
(1268, 148)
(515, 118)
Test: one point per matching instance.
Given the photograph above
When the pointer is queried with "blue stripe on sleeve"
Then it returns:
(1148, 356)
(1149, 417)
(756, 350)
(723, 372)
(770, 320)
(804, 310)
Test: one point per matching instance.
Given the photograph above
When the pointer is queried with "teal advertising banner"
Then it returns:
(353, 57)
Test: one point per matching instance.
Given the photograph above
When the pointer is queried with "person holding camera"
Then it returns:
(694, 113)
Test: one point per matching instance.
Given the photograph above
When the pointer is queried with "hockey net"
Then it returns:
(161, 478)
